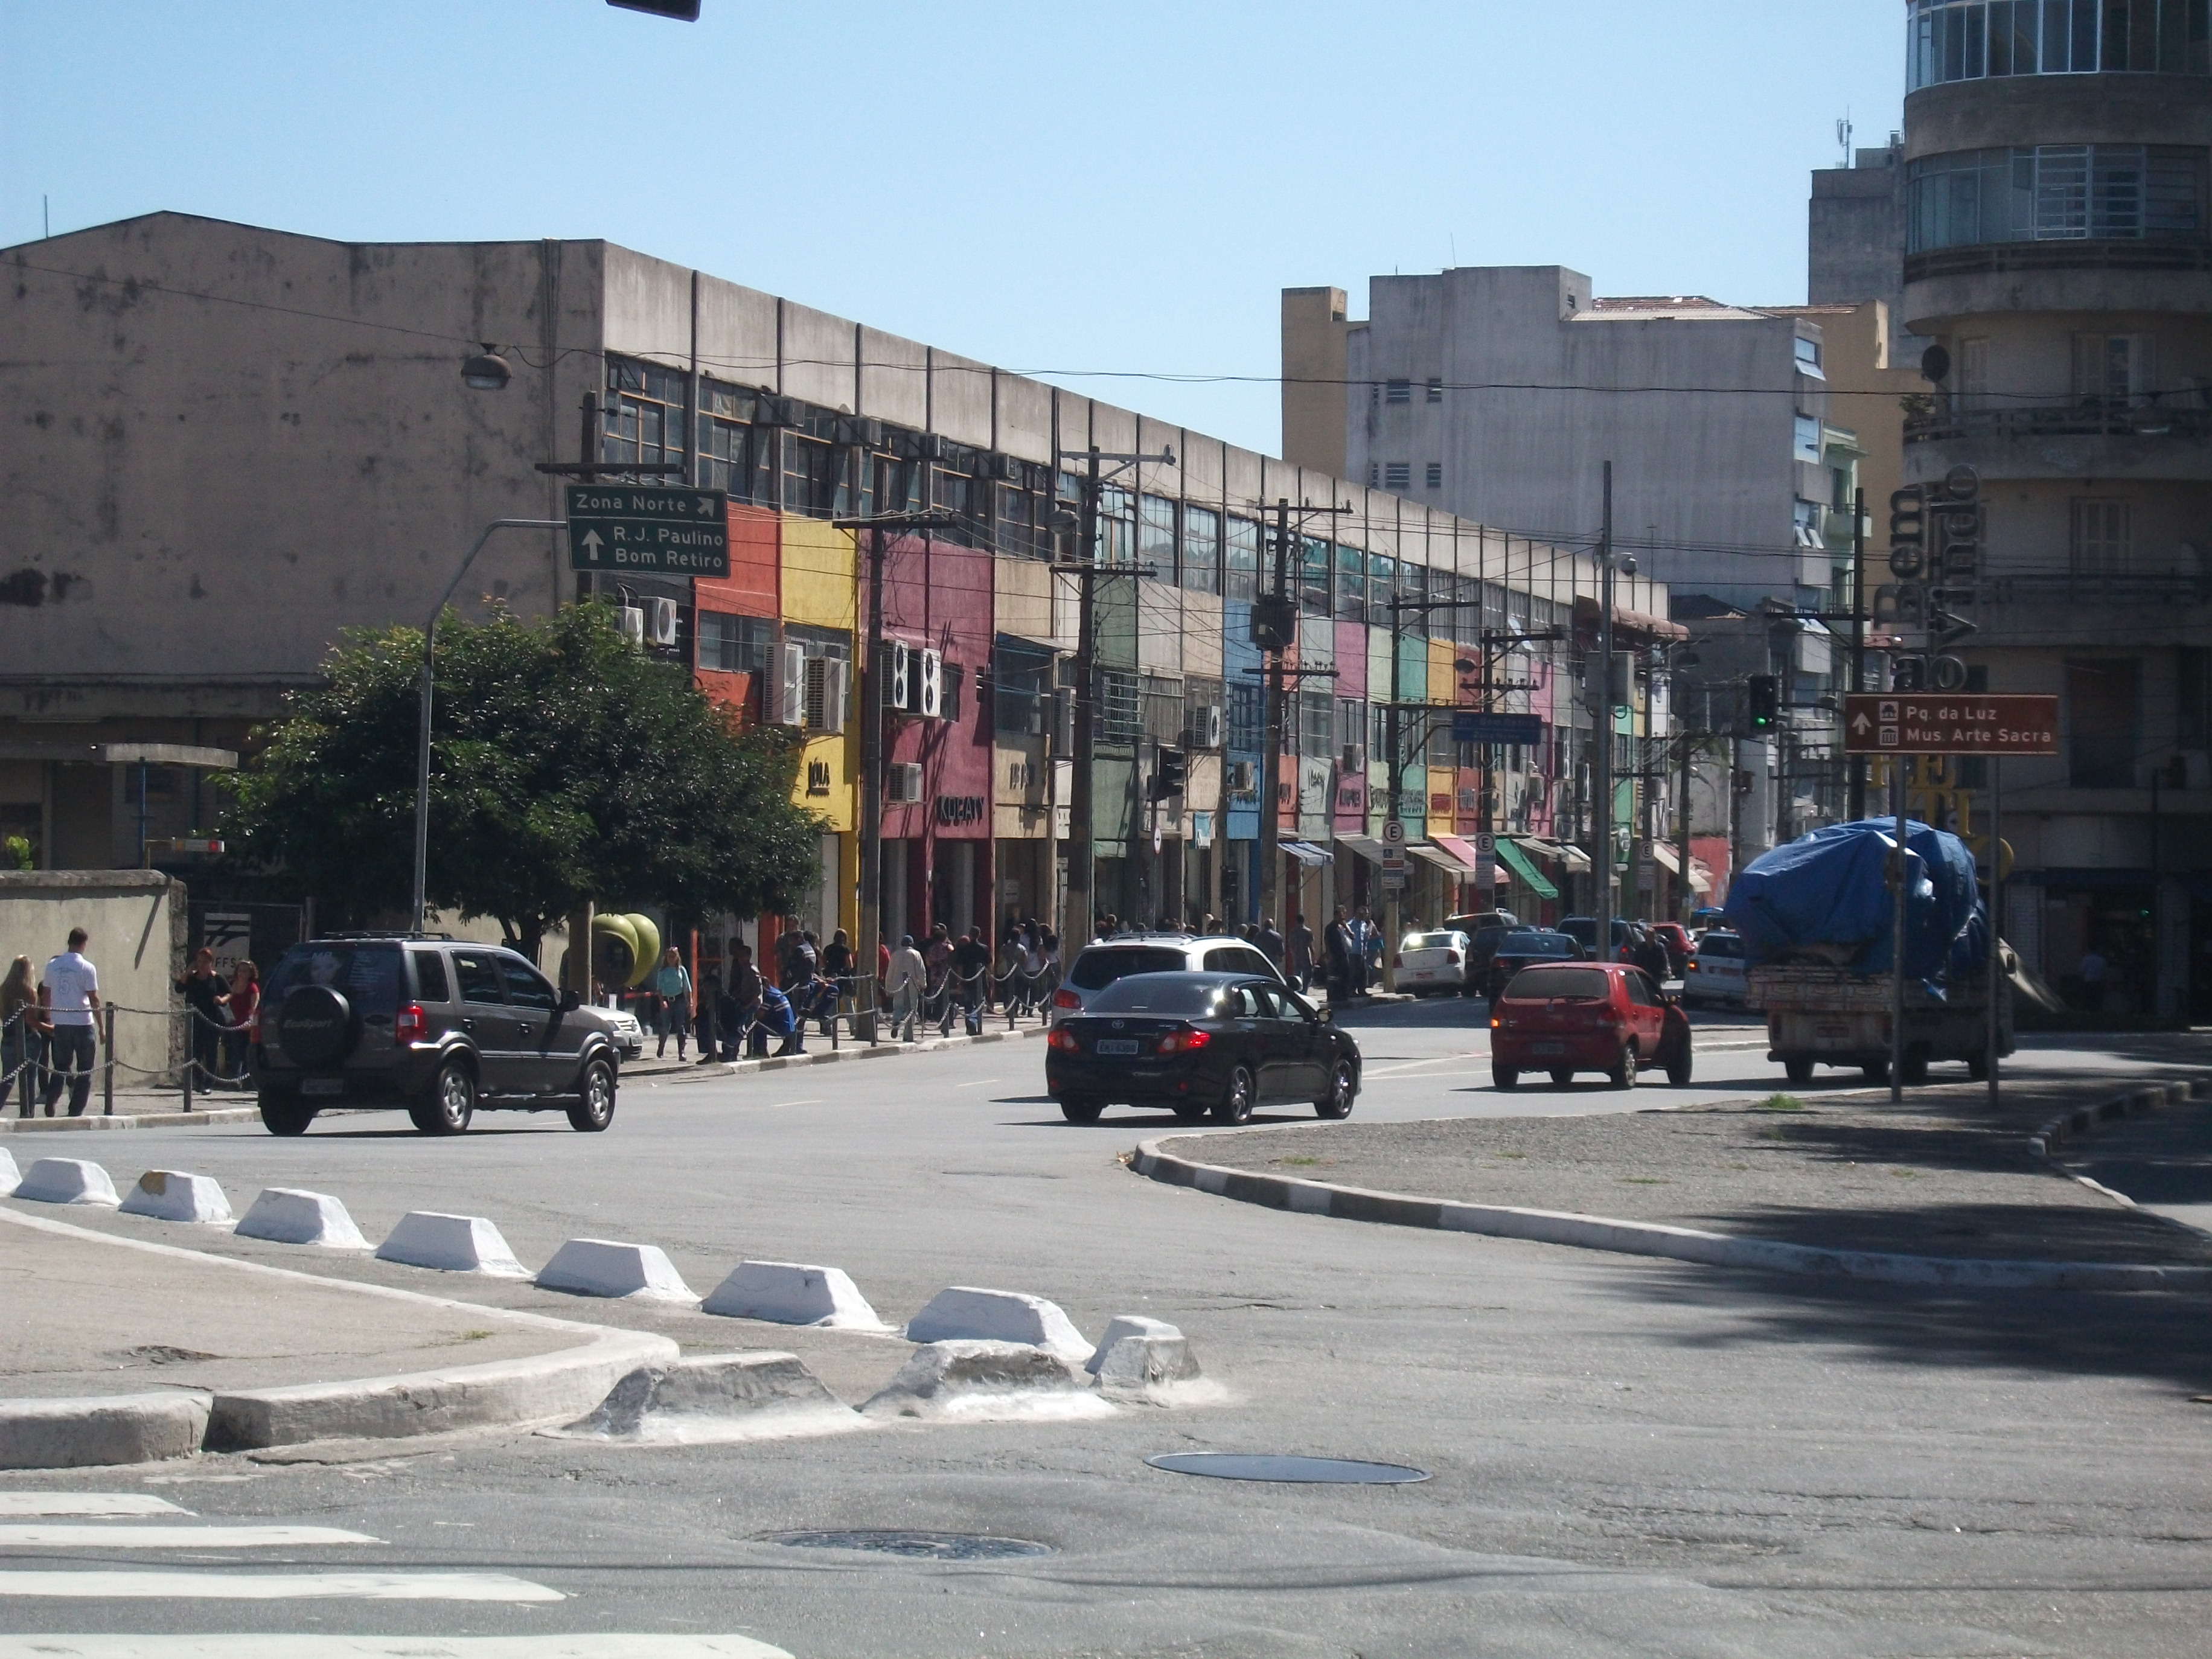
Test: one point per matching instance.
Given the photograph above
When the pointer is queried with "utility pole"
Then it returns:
(1855, 799)
(1689, 899)
(1602, 760)
(1281, 631)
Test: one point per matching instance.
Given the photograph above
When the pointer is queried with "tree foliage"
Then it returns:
(566, 766)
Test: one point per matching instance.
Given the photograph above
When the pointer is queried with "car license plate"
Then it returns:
(322, 1085)
(1548, 1048)
(1117, 1045)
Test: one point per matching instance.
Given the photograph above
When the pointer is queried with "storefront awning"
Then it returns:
(1700, 878)
(1574, 858)
(1518, 861)
(1307, 853)
(1443, 859)
(1366, 845)
(1458, 846)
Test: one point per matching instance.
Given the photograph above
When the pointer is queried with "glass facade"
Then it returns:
(1974, 40)
(2057, 192)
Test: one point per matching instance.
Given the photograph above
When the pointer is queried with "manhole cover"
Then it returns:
(1312, 1471)
(916, 1545)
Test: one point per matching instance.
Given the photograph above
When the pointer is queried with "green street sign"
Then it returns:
(645, 530)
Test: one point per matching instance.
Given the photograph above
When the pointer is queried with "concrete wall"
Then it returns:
(139, 923)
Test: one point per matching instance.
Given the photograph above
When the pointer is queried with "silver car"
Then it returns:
(1715, 970)
(1098, 965)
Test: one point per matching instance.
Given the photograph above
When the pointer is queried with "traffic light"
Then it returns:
(1766, 701)
(1172, 775)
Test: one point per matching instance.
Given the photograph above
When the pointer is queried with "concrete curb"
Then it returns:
(544, 1387)
(27, 1126)
(2085, 1121)
(1591, 1232)
(696, 1074)
(120, 1428)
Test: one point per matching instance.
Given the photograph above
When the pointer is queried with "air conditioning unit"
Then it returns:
(1244, 779)
(929, 702)
(791, 684)
(633, 624)
(779, 411)
(1205, 726)
(1006, 468)
(898, 676)
(827, 682)
(661, 620)
(905, 784)
(860, 429)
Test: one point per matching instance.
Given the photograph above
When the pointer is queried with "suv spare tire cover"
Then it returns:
(314, 1026)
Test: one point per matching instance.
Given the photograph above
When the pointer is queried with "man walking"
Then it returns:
(209, 1013)
(903, 982)
(1302, 953)
(72, 986)
(970, 967)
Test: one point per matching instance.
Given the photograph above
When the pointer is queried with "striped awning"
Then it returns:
(1307, 853)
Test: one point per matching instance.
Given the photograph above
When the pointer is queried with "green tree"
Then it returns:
(567, 766)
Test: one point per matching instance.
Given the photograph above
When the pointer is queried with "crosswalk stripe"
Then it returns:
(106, 1584)
(126, 1537)
(86, 1502)
(593, 1646)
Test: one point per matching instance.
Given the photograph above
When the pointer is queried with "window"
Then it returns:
(726, 448)
(2100, 544)
(479, 978)
(1117, 527)
(735, 645)
(1381, 586)
(1156, 535)
(1397, 475)
(2101, 734)
(1805, 523)
(1119, 710)
(429, 976)
(2056, 193)
(1398, 392)
(1808, 358)
(1436, 388)
(645, 417)
(1162, 710)
(1351, 585)
(1351, 724)
(525, 986)
(1969, 40)
(1974, 373)
(1022, 677)
(1806, 443)
(1374, 474)
(1317, 724)
(2111, 371)
(1201, 549)
(1240, 571)
(809, 476)
(1436, 475)
(1246, 728)
(1313, 575)
(1020, 532)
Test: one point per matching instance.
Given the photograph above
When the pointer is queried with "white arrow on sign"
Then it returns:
(1861, 725)
(591, 544)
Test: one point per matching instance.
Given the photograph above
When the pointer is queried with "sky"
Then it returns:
(1084, 192)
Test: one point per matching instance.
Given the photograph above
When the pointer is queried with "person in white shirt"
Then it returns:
(905, 982)
(71, 987)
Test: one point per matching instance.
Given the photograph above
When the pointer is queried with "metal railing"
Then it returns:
(2078, 417)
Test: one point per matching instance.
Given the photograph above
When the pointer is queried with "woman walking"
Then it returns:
(244, 999)
(22, 1038)
(672, 983)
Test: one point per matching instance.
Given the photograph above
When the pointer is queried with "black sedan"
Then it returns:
(1200, 1043)
(1529, 947)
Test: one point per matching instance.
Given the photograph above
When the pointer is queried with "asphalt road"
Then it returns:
(1627, 1456)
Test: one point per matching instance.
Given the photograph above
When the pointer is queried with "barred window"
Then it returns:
(1240, 571)
(735, 645)
(1200, 564)
(1246, 723)
(2056, 193)
(1119, 712)
(1156, 535)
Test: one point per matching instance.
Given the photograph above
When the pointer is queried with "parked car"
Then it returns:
(1676, 938)
(629, 1035)
(1481, 945)
(1715, 972)
(1583, 930)
(1476, 920)
(1433, 962)
(439, 1027)
(1587, 1016)
(1523, 947)
(1199, 1044)
(1100, 965)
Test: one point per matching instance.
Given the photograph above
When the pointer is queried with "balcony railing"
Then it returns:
(2063, 253)
(2103, 592)
(2078, 417)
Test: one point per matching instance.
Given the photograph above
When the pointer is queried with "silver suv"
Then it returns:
(1098, 965)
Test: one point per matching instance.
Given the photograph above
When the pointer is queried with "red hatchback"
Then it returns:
(1587, 1016)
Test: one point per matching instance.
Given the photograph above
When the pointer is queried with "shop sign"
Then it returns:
(960, 809)
(817, 777)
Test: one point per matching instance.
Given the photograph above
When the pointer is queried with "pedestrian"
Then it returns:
(72, 992)
(837, 967)
(208, 1012)
(672, 983)
(805, 957)
(780, 1018)
(1367, 950)
(1337, 951)
(23, 1036)
(1301, 942)
(1269, 941)
(1047, 978)
(970, 968)
(245, 1002)
(729, 1023)
(905, 977)
(710, 1011)
(937, 957)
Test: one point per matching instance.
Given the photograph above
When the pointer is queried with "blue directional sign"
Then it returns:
(1480, 725)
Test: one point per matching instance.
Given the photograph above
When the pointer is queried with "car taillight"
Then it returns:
(1451, 956)
(1064, 998)
(1184, 1042)
(1690, 967)
(411, 1024)
(1064, 1040)
(1493, 1022)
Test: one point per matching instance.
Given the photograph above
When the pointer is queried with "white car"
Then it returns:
(1433, 962)
(1099, 964)
(1715, 970)
(629, 1035)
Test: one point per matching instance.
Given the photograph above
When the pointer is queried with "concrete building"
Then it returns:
(233, 443)
(2058, 245)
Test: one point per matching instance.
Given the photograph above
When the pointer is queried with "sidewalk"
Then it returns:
(1937, 1176)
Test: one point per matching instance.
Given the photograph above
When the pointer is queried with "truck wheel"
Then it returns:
(1916, 1067)
(1798, 1068)
(1877, 1071)
(1977, 1068)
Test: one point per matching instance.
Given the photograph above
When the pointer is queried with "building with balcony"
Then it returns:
(2058, 246)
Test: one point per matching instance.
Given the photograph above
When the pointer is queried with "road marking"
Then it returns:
(811, 1100)
(175, 1538)
(1415, 1065)
(596, 1646)
(86, 1502)
(980, 1082)
(101, 1586)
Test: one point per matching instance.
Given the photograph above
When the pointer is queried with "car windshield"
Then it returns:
(1173, 994)
(1713, 946)
(1095, 971)
(1431, 941)
(1538, 944)
(1564, 984)
(367, 975)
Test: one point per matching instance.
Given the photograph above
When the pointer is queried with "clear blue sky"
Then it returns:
(1046, 186)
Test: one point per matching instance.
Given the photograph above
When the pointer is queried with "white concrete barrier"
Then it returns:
(793, 1293)
(1125, 1326)
(288, 1215)
(1150, 1360)
(67, 1180)
(10, 1176)
(607, 1266)
(172, 1195)
(710, 1398)
(966, 1313)
(450, 1243)
(987, 1382)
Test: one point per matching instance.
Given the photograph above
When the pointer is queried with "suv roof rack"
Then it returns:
(369, 934)
(1136, 934)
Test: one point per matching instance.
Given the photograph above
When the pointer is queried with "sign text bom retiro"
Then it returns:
(648, 530)
(1949, 723)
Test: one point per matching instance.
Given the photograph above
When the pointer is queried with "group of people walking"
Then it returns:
(947, 976)
(47, 1021)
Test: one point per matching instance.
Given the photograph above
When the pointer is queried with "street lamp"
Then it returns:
(487, 371)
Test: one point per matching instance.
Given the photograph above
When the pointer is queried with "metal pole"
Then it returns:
(1270, 760)
(1394, 737)
(1897, 937)
(108, 1083)
(1856, 802)
(415, 908)
(1082, 856)
(1601, 760)
(1689, 899)
(865, 981)
(1996, 915)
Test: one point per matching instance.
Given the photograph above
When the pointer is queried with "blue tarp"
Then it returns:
(1828, 890)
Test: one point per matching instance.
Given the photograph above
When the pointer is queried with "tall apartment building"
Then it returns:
(2057, 244)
